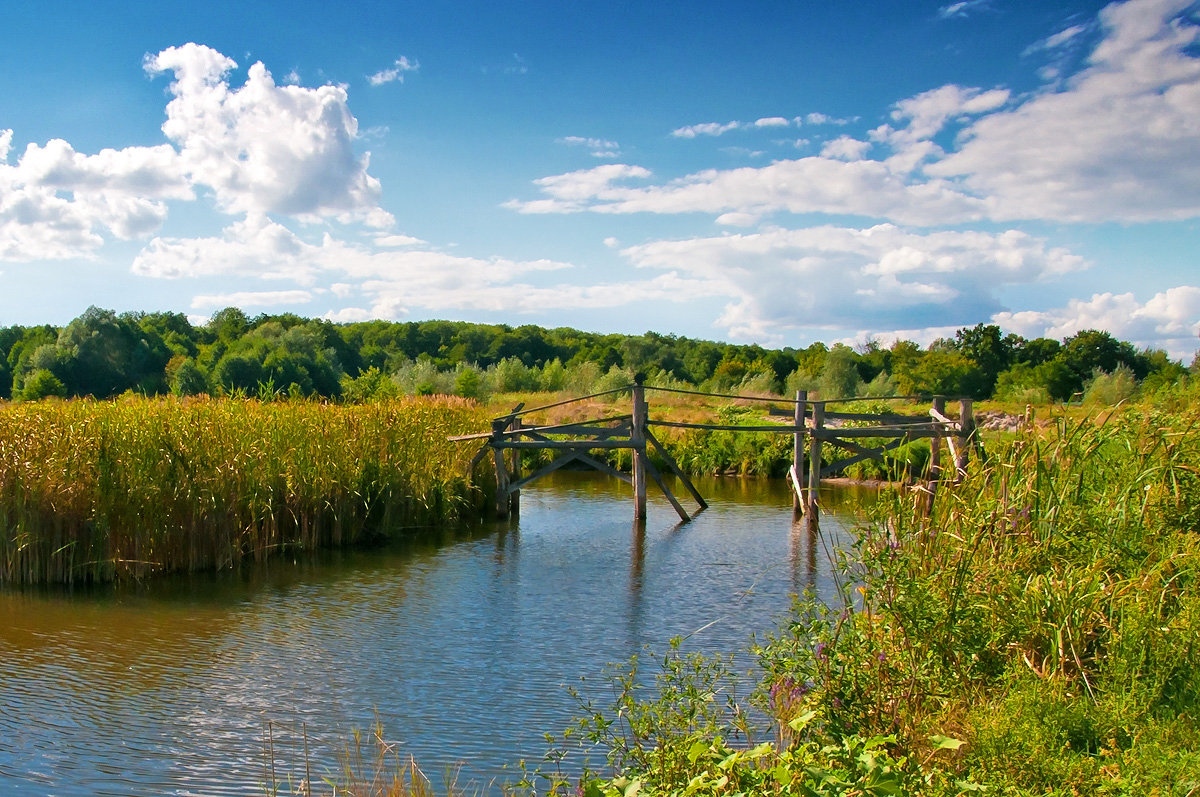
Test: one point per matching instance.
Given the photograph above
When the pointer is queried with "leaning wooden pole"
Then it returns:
(637, 439)
(794, 475)
(811, 517)
(935, 455)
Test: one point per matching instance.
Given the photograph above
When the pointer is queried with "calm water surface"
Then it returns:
(461, 646)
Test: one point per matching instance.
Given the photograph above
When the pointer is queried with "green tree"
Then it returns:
(1036, 351)
(989, 351)
(188, 379)
(468, 382)
(938, 372)
(228, 324)
(1092, 350)
(42, 384)
(238, 372)
(839, 376)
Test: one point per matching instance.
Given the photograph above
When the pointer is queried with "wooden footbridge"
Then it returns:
(812, 426)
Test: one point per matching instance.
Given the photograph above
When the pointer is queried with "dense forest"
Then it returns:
(103, 354)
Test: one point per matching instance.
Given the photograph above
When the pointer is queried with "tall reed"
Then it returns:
(96, 491)
(1046, 612)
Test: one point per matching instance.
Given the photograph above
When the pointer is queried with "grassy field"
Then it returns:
(97, 491)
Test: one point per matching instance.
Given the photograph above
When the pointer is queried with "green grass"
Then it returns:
(98, 491)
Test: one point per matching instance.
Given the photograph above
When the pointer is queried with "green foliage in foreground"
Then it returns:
(1039, 633)
(95, 491)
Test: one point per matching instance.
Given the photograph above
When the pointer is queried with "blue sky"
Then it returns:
(775, 172)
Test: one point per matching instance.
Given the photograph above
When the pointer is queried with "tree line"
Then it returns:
(103, 354)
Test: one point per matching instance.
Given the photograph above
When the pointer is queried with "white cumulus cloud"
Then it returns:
(1169, 319)
(56, 203)
(265, 148)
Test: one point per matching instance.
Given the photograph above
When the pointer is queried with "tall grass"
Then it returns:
(1048, 613)
(96, 491)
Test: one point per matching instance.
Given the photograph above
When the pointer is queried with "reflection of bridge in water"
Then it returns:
(865, 436)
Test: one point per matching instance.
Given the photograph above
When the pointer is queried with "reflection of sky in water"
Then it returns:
(462, 650)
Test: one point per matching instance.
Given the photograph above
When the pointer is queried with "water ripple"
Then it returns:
(461, 651)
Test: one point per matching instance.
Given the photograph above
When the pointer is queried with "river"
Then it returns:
(460, 645)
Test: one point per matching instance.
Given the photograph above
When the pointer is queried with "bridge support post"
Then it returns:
(795, 475)
(966, 438)
(811, 510)
(637, 439)
(500, 457)
(514, 494)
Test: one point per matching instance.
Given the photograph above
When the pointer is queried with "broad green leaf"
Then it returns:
(945, 743)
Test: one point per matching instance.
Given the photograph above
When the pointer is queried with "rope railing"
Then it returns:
(732, 396)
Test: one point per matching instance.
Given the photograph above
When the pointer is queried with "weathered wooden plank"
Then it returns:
(594, 426)
(930, 430)
(938, 416)
(662, 485)
(582, 445)
(607, 431)
(546, 470)
(797, 491)
(678, 471)
(884, 418)
(719, 427)
(460, 438)
(865, 454)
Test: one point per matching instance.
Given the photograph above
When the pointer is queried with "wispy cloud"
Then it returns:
(600, 147)
(765, 122)
(516, 65)
(394, 73)
(251, 299)
(705, 129)
(962, 8)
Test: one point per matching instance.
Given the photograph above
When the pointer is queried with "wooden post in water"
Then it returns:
(966, 438)
(514, 496)
(935, 455)
(814, 465)
(501, 460)
(795, 476)
(637, 438)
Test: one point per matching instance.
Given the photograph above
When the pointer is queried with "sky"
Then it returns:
(764, 171)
